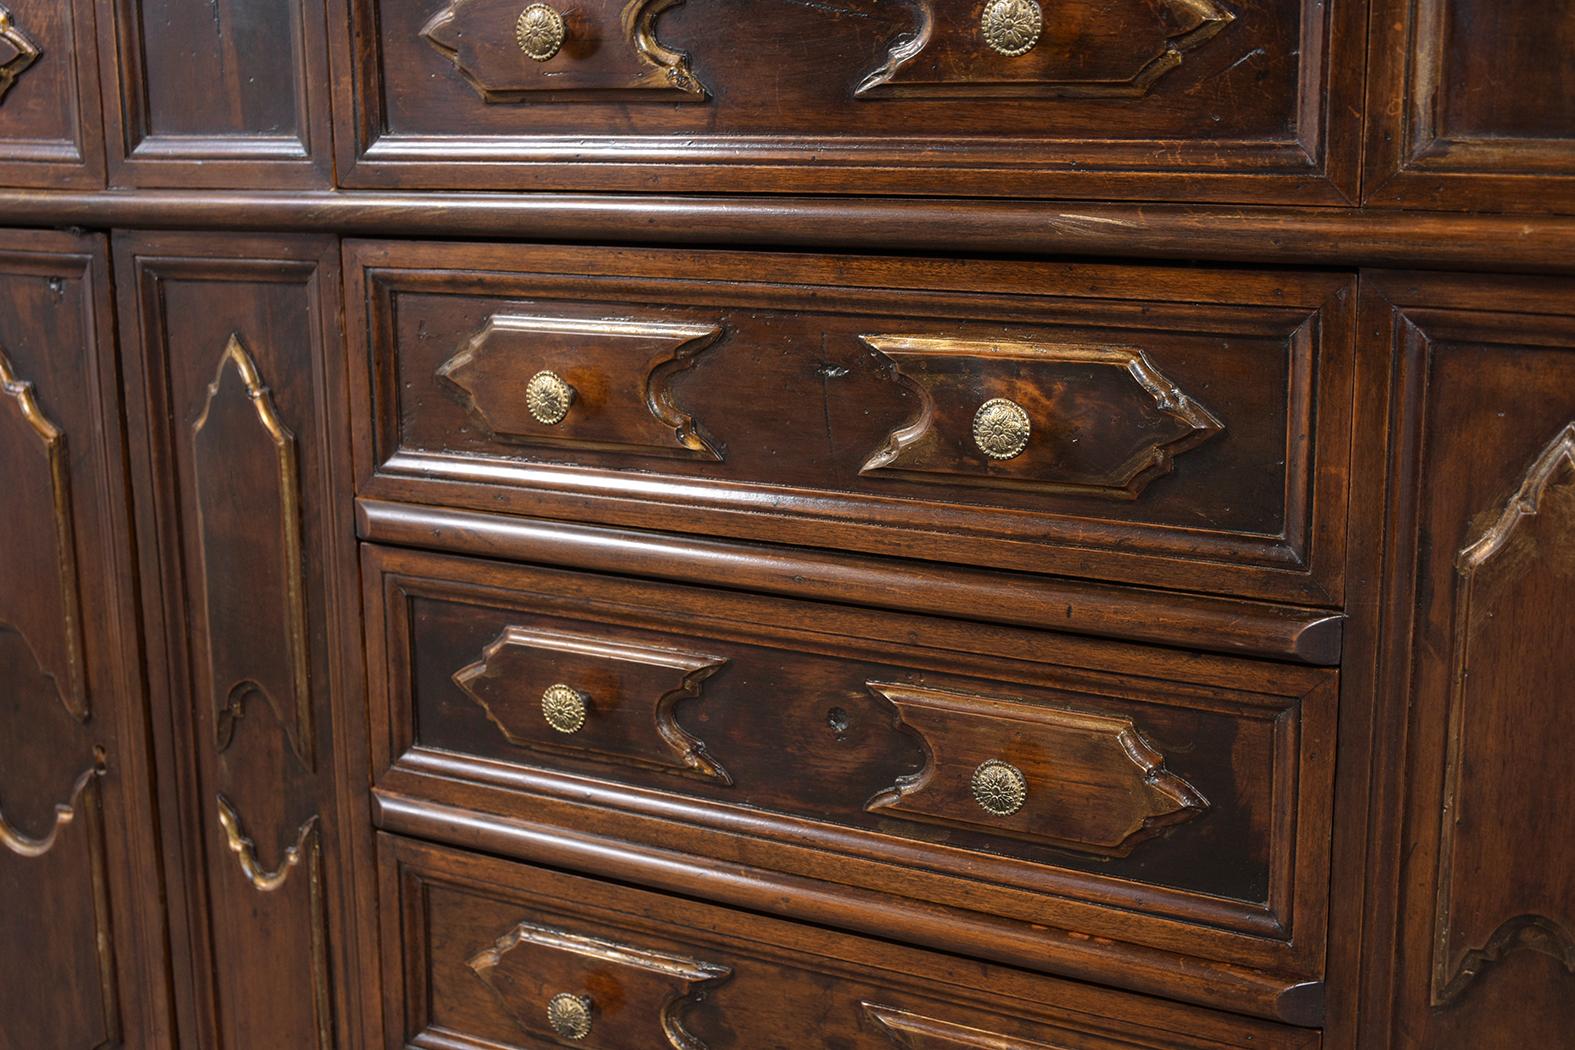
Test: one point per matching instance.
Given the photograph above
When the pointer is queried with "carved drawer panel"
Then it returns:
(1183, 99)
(501, 955)
(1185, 429)
(1022, 774)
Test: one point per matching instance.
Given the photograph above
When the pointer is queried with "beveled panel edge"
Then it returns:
(1189, 621)
(1251, 234)
(1042, 949)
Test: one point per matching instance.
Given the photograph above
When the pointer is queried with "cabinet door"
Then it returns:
(1471, 105)
(1474, 873)
(215, 93)
(50, 134)
(79, 880)
(237, 392)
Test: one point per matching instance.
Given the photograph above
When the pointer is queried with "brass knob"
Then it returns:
(570, 1015)
(564, 708)
(540, 32)
(1012, 27)
(999, 787)
(548, 397)
(1000, 428)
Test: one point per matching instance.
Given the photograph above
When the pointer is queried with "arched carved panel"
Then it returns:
(244, 458)
(1514, 660)
(38, 556)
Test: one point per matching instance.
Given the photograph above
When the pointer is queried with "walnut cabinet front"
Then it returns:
(748, 524)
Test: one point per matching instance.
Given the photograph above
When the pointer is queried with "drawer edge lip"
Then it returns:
(1245, 233)
(1133, 968)
(1240, 627)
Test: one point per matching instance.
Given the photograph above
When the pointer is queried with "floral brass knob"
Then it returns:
(540, 32)
(570, 1015)
(1000, 428)
(564, 708)
(548, 397)
(1012, 27)
(999, 787)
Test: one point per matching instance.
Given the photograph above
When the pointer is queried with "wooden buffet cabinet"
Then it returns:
(737, 524)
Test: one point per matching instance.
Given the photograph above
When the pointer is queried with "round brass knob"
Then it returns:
(1012, 27)
(540, 32)
(570, 1015)
(1000, 428)
(999, 787)
(548, 397)
(564, 708)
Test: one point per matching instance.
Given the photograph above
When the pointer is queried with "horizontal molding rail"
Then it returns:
(1269, 235)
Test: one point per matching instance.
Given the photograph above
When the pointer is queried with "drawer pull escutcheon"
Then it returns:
(1000, 428)
(1012, 27)
(540, 32)
(548, 397)
(1000, 787)
(570, 1015)
(564, 708)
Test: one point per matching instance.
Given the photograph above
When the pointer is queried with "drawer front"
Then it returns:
(1177, 428)
(1180, 99)
(1176, 802)
(492, 954)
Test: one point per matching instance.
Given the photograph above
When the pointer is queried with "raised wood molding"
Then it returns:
(1301, 634)
(1510, 576)
(477, 36)
(628, 364)
(497, 682)
(18, 51)
(1316, 236)
(39, 527)
(237, 438)
(1093, 783)
(517, 966)
(914, 1031)
(933, 367)
(1415, 159)
(940, 62)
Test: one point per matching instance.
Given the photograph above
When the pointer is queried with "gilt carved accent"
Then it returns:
(1513, 640)
(610, 53)
(50, 760)
(245, 850)
(912, 1031)
(1088, 49)
(630, 695)
(257, 636)
(39, 529)
(621, 372)
(17, 52)
(1105, 421)
(1091, 782)
(530, 964)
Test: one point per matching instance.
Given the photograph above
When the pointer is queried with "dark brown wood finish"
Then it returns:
(50, 135)
(221, 94)
(1477, 913)
(482, 948)
(926, 640)
(80, 879)
(1173, 442)
(868, 749)
(242, 490)
(1130, 99)
(1472, 105)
